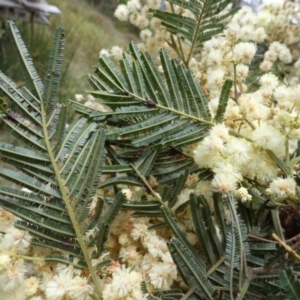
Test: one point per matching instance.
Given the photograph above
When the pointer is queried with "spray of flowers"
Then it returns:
(260, 53)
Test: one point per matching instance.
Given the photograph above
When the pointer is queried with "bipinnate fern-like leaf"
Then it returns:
(205, 228)
(153, 115)
(56, 169)
(204, 22)
(31, 77)
(153, 107)
(225, 265)
(290, 283)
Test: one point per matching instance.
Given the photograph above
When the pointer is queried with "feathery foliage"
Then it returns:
(153, 115)
(56, 172)
(204, 22)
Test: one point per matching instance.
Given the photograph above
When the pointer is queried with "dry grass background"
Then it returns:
(87, 32)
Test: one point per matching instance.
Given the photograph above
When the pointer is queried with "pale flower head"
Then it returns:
(4, 261)
(247, 33)
(271, 55)
(141, 21)
(156, 246)
(160, 277)
(215, 78)
(285, 56)
(269, 80)
(259, 35)
(244, 52)
(266, 65)
(238, 151)
(284, 118)
(260, 167)
(204, 188)
(183, 197)
(264, 18)
(268, 137)
(232, 111)
(233, 31)
(250, 106)
(170, 265)
(276, 46)
(31, 285)
(13, 276)
(79, 97)
(133, 5)
(193, 63)
(57, 287)
(101, 53)
(155, 4)
(213, 106)
(214, 58)
(229, 170)
(283, 96)
(67, 270)
(124, 282)
(7, 219)
(224, 184)
(130, 255)
(124, 239)
(220, 131)
(140, 230)
(109, 293)
(145, 34)
(79, 288)
(243, 195)
(297, 64)
(283, 187)
(16, 239)
(208, 153)
(116, 52)
(121, 12)
(148, 261)
(128, 193)
(155, 24)
(241, 71)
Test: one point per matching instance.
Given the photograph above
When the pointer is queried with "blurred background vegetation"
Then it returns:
(90, 26)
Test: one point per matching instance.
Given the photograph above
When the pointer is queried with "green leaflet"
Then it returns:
(155, 101)
(150, 110)
(223, 101)
(291, 283)
(154, 116)
(59, 167)
(206, 23)
(33, 81)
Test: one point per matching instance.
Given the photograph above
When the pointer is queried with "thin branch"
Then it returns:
(286, 247)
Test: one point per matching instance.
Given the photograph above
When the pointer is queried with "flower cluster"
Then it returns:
(261, 118)
(24, 275)
(260, 131)
(259, 52)
(144, 253)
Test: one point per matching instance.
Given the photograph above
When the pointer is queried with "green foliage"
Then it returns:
(290, 283)
(225, 93)
(152, 119)
(207, 21)
(153, 116)
(59, 166)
